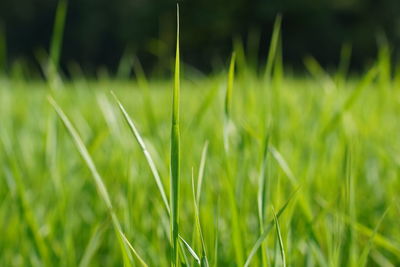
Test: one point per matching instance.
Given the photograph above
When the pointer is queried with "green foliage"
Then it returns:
(333, 190)
(329, 160)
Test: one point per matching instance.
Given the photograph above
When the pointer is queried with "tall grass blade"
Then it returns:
(99, 185)
(228, 124)
(238, 49)
(216, 233)
(148, 157)
(57, 38)
(92, 246)
(273, 46)
(364, 254)
(283, 164)
(144, 85)
(318, 72)
(344, 64)
(203, 107)
(201, 172)
(267, 230)
(146, 153)
(175, 156)
(278, 232)
(191, 251)
(229, 87)
(125, 65)
(184, 246)
(365, 82)
(262, 196)
(204, 260)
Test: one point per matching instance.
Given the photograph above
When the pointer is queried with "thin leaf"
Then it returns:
(175, 156)
(228, 124)
(146, 153)
(283, 164)
(229, 87)
(267, 230)
(149, 159)
(201, 172)
(57, 38)
(191, 251)
(366, 81)
(273, 46)
(204, 261)
(144, 85)
(278, 232)
(261, 196)
(92, 246)
(364, 255)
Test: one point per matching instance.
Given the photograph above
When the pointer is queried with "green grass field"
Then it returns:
(332, 157)
(236, 168)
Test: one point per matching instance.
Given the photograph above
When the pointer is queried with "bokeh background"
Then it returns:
(99, 32)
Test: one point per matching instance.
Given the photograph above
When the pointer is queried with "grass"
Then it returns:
(100, 186)
(175, 160)
(83, 171)
(59, 218)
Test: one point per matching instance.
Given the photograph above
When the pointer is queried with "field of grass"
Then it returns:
(323, 152)
(236, 168)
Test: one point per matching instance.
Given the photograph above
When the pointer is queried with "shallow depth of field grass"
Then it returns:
(336, 164)
(267, 168)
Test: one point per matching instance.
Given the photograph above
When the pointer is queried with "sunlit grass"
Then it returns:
(83, 170)
(328, 215)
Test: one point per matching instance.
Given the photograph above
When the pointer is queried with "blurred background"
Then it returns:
(98, 33)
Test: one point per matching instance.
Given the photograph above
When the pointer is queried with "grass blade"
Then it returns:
(191, 251)
(364, 255)
(344, 64)
(318, 72)
(228, 125)
(201, 172)
(216, 233)
(57, 38)
(283, 164)
(261, 196)
(278, 232)
(267, 230)
(273, 46)
(203, 107)
(92, 246)
(146, 153)
(204, 261)
(175, 156)
(99, 184)
(148, 157)
(229, 87)
(367, 80)
(144, 85)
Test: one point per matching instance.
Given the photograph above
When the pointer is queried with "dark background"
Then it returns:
(99, 32)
